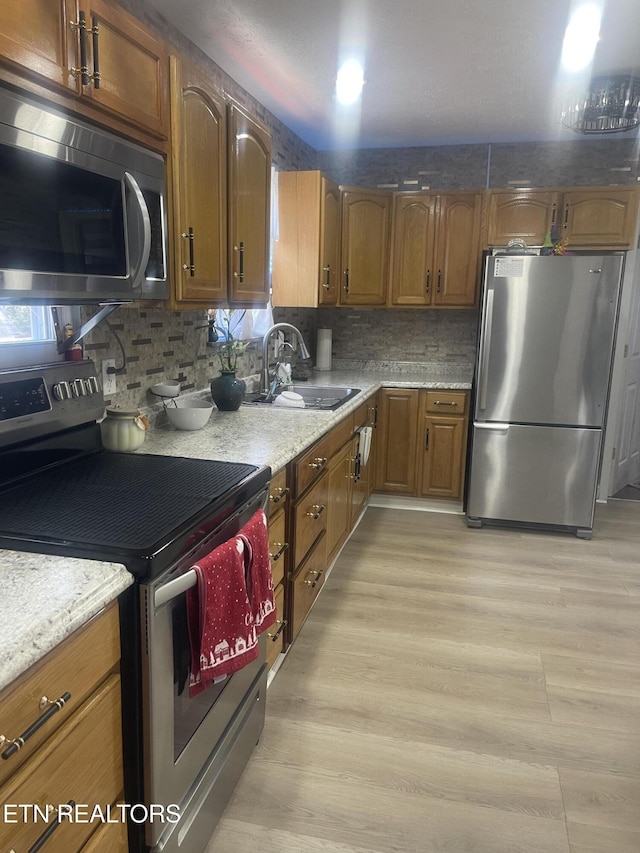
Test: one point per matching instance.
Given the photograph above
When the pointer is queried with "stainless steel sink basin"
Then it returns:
(325, 397)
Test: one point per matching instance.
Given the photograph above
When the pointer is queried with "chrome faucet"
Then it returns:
(302, 349)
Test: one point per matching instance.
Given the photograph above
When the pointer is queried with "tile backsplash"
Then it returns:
(158, 344)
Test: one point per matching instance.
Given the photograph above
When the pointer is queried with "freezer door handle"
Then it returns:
(495, 427)
(487, 322)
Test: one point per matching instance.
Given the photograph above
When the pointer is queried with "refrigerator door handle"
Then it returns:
(487, 322)
(495, 427)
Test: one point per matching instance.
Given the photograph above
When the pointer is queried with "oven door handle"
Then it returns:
(172, 589)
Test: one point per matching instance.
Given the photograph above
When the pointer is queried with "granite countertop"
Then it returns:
(45, 599)
(268, 435)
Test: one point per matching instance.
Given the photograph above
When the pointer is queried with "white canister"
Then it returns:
(123, 431)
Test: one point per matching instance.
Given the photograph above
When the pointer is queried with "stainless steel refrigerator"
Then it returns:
(542, 376)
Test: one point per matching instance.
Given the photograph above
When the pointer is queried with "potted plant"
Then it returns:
(227, 390)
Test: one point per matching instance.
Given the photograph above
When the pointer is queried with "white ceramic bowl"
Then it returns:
(289, 399)
(189, 414)
(168, 388)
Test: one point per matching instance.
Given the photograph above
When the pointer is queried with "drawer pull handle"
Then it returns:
(19, 742)
(282, 546)
(317, 510)
(318, 462)
(313, 583)
(279, 494)
(46, 835)
(283, 624)
(445, 403)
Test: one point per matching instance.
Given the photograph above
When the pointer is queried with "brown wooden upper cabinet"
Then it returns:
(589, 217)
(436, 243)
(93, 49)
(523, 214)
(366, 216)
(306, 256)
(600, 218)
(198, 186)
(249, 199)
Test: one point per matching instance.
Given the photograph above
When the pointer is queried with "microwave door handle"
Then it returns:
(140, 261)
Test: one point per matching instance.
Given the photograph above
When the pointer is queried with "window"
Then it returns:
(27, 335)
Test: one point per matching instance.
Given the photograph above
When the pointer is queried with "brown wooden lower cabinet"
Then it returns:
(109, 838)
(422, 442)
(306, 584)
(77, 754)
(396, 468)
(339, 499)
(275, 634)
(81, 763)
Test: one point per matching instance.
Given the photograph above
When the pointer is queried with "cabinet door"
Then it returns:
(365, 252)
(37, 36)
(329, 242)
(339, 499)
(306, 256)
(199, 173)
(128, 67)
(275, 634)
(306, 585)
(412, 273)
(524, 214)
(600, 218)
(396, 439)
(249, 186)
(359, 484)
(457, 248)
(443, 442)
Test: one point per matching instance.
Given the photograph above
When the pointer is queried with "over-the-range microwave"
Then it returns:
(82, 211)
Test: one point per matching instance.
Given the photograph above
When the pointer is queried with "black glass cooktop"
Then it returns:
(119, 502)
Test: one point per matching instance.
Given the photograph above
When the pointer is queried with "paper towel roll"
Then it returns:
(323, 350)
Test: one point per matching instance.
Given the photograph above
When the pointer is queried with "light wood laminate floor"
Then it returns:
(457, 691)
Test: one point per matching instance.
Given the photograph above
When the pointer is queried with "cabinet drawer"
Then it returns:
(446, 402)
(361, 415)
(311, 465)
(82, 763)
(310, 519)
(307, 583)
(278, 491)
(75, 667)
(341, 434)
(110, 838)
(275, 634)
(277, 546)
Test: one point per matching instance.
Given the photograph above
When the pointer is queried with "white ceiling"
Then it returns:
(437, 72)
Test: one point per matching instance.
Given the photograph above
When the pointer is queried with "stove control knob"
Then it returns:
(78, 388)
(62, 391)
(92, 385)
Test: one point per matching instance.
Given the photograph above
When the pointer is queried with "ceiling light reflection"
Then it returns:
(349, 82)
(581, 37)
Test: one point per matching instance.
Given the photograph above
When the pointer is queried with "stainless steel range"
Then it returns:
(61, 493)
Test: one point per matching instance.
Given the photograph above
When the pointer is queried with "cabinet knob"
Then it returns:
(313, 582)
(318, 462)
(279, 494)
(282, 547)
(316, 511)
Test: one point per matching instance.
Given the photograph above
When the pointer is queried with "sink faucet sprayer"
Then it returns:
(302, 349)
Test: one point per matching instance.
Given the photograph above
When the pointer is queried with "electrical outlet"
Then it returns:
(108, 379)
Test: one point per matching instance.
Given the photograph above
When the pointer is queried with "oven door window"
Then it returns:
(69, 221)
(188, 713)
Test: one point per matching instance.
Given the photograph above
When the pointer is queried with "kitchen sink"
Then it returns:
(324, 397)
